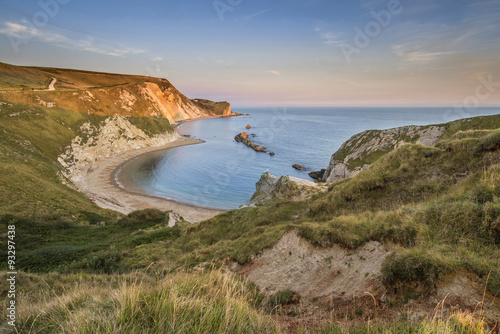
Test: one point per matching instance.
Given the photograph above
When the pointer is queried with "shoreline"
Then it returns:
(120, 178)
(102, 186)
(177, 124)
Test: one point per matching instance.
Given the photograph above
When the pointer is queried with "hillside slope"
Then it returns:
(419, 228)
(410, 244)
(48, 138)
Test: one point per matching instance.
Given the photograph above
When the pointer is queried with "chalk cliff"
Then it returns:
(362, 149)
(95, 142)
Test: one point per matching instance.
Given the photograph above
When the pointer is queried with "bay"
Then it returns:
(221, 173)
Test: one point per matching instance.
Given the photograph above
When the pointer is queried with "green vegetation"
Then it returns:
(152, 125)
(178, 303)
(31, 138)
(440, 207)
(50, 244)
(89, 270)
(280, 298)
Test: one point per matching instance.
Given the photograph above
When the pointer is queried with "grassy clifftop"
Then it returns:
(103, 94)
(27, 78)
(364, 148)
(14, 78)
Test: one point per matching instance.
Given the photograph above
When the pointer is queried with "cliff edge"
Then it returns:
(362, 149)
(104, 94)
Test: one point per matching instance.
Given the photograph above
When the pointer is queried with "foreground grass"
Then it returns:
(200, 302)
(460, 322)
(178, 303)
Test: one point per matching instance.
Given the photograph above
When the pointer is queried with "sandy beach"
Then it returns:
(102, 187)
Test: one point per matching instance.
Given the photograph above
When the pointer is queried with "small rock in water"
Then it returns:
(299, 167)
(248, 126)
(243, 138)
(271, 153)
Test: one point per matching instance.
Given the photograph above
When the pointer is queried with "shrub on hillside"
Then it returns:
(143, 218)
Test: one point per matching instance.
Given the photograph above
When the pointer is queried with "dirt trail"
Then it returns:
(52, 85)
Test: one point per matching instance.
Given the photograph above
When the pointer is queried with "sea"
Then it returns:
(221, 173)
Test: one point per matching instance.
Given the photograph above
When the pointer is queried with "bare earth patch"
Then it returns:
(339, 285)
(295, 264)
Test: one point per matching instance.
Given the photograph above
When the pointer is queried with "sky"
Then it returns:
(273, 52)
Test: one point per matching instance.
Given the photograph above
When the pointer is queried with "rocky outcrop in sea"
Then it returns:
(243, 138)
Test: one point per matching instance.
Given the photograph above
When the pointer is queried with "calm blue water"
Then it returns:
(222, 173)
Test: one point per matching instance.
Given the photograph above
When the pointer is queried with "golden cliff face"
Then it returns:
(171, 104)
(145, 99)
(106, 94)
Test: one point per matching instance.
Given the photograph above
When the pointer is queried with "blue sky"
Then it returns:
(273, 53)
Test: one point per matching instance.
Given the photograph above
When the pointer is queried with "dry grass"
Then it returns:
(211, 302)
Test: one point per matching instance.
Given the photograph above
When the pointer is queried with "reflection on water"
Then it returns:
(222, 173)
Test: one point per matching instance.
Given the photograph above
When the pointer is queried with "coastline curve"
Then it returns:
(110, 193)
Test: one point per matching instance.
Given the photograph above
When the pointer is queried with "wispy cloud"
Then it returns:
(18, 30)
(23, 31)
(274, 72)
(417, 55)
(157, 58)
(329, 37)
(434, 41)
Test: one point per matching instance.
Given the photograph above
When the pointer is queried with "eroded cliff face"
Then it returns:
(362, 149)
(170, 103)
(95, 142)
